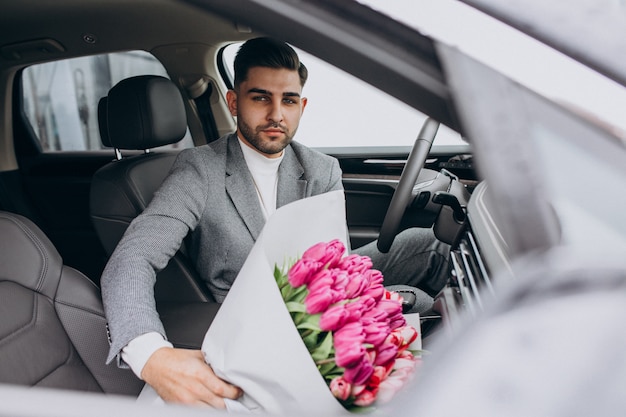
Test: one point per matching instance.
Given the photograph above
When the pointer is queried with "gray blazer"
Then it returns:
(210, 194)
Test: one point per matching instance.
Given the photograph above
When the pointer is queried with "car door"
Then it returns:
(370, 178)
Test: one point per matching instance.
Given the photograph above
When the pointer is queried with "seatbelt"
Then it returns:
(203, 104)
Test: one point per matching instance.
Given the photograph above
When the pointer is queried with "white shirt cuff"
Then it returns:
(137, 352)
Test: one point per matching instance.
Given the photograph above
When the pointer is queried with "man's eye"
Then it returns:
(289, 101)
(260, 98)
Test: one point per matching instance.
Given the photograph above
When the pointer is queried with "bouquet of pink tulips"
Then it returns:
(356, 351)
(351, 325)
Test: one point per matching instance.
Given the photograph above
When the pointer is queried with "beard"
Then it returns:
(270, 146)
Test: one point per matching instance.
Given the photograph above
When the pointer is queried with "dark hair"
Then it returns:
(269, 53)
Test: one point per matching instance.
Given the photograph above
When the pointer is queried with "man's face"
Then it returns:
(268, 106)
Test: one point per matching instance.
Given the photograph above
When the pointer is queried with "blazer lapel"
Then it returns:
(291, 183)
(240, 188)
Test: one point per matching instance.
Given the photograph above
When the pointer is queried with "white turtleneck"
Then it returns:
(264, 172)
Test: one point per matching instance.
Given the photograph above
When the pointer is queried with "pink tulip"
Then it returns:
(404, 366)
(357, 283)
(376, 291)
(365, 398)
(359, 307)
(403, 336)
(371, 355)
(355, 309)
(326, 253)
(409, 333)
(316, 302)
(334, 318)
(380, 374)
(367, 302)
(374, 276)
(374, 315)
(340, 388)
(355, 263)
(349, 355)
(397, 321)
(406, 373)
(390, 307)
(340, 279)
(338, 295)
(388, 389)
(394, 312)
(357, 390)
(395, 338)
(406, 354)
(321, 281)
(360, 372)
(348, 343)
(350, 332)
(386, 353)
(301, 272)
(376, 332)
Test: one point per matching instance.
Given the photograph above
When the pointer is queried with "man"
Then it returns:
(222, 193)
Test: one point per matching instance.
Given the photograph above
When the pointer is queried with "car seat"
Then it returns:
(53, 329)
(141, 113)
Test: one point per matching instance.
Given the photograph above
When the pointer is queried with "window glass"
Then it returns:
(61, 97)
(559, 77)
(343, 111)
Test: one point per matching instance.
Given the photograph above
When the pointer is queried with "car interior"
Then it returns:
(99, 97)
(65, 209)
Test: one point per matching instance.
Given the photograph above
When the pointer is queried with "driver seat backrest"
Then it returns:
(141, 113)
(53, 329)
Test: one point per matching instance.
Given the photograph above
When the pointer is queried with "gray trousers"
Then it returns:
(416, 259)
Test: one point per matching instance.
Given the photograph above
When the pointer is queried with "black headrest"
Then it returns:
(145, 112)
(102, 122)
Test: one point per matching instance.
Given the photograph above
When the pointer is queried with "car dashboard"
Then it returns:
(478, 252)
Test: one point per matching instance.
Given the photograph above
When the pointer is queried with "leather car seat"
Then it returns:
(141, 113)
(53, 329)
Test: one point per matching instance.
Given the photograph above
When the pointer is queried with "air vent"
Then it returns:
(471, 274)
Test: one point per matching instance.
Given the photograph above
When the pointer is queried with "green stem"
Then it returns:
(325, 361)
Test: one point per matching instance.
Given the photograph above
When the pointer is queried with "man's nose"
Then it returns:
(276, 112)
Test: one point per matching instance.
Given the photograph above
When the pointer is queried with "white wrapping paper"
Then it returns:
(252, 342)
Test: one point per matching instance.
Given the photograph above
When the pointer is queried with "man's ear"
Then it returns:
(303, 101)
(231, 100)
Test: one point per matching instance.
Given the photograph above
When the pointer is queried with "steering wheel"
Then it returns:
(402, 194)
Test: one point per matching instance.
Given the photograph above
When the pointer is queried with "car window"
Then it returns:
(559, 77)
(61, 98)
(345, 112)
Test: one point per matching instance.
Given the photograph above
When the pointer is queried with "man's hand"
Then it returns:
(182, 376)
